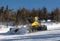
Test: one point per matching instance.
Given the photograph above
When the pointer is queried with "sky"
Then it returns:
(30, 4)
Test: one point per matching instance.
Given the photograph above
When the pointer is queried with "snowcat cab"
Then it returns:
(36, 26)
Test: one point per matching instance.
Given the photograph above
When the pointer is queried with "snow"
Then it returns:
(52, 26)
(23, 28)
(38, 36)
(52, 33)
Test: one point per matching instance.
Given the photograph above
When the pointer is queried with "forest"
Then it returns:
(24, 15)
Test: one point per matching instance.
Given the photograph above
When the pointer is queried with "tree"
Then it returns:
(2, 13)
(44, 13)
(56, 13)
(6, 14)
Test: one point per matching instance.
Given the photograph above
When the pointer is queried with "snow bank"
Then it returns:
(4, 30)
(51, 25)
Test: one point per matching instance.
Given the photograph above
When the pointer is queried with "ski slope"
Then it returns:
(52, 34)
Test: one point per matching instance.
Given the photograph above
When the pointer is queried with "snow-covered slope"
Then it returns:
(52, 26)
(53, 35)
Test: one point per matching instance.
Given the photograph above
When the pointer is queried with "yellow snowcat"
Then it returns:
(36, 26)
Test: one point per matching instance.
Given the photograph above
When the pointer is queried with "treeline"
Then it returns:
(23, 15)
